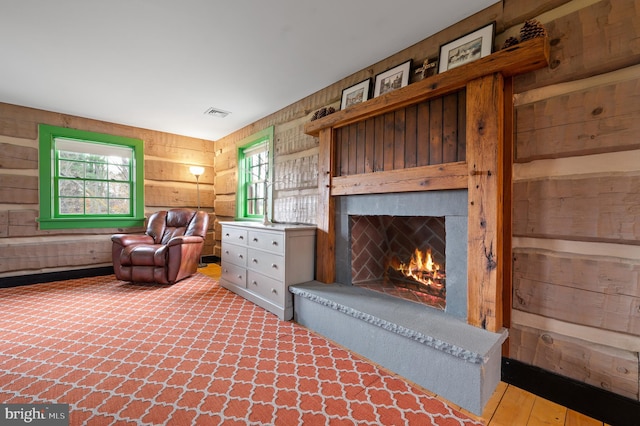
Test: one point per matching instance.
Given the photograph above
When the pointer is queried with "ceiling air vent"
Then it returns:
(215, 112)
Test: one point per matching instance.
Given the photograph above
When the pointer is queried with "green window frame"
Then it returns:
(89, 179)
(255, 165)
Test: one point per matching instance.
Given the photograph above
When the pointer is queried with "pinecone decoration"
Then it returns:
(322, 112)
(532, 29)
(319, 114)
(511, 41)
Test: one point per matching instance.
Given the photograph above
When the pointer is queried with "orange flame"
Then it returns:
(422, 268)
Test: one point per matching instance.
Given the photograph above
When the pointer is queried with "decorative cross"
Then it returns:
(428, 67)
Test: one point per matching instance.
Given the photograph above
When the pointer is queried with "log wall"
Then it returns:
(25, 249)
(575, 296)
(576, 203)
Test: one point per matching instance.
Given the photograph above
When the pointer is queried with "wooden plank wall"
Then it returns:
(431, 132)
(25, 249)
(576, 214)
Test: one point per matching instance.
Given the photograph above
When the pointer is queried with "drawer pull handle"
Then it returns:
(274, 291)
(241, 256)
(240, 276)
(274, 266)
(255, 240)
(226, 252)
(226, 235)
(254, 282)
(255, 260)
(274, 243)
(241, 237)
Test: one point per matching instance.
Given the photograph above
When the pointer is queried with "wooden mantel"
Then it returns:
(487, 85)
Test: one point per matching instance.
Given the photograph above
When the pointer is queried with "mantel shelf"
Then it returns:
(519, 59)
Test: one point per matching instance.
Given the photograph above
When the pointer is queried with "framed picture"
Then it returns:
(475, 45)
(392, 79)
(356, 94)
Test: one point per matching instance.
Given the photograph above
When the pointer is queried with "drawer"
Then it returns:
(267, 288)
(269, 241)
(265, 263)
(234, 254)
(234, 274)
(234, 235)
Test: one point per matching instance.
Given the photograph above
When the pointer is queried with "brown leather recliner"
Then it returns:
(168, 251)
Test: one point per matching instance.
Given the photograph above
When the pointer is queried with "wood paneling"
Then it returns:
(423, 134)
(425, 178)
(607, 206)
(39, 254)
(589, 121)
(325, 238)
(517, 11)
(485, 147)
(18, 157)
(170, 171)
(605, 367)
(595, 39)
(18, 189)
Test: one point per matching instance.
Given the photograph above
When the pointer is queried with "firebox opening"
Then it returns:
(402, 256)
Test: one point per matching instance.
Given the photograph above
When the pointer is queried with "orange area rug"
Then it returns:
(189, 354)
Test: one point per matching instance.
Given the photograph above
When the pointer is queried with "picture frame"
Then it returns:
(356, 94)
(468, 48)
(392, 79)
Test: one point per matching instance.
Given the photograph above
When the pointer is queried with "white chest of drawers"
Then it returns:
(260, 262)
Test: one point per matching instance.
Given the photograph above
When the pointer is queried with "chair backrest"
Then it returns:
(164, 225)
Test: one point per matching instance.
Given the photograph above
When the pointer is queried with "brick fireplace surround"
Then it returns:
(448, 135)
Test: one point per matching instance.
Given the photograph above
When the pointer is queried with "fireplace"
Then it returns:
(423, 150)
(376, 232)
(402, 256)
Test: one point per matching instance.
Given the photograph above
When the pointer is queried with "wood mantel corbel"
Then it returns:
(481, 173)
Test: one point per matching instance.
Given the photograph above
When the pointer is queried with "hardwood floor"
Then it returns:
(509, 405)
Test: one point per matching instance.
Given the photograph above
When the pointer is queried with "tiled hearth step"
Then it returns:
(429, 347)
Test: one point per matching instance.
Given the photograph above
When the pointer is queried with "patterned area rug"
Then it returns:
(189, 354)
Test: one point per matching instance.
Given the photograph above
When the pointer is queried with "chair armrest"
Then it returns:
(185, 239)
(129, 239)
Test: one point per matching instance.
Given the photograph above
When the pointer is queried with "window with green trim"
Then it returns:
(254, 173)
(89, 180)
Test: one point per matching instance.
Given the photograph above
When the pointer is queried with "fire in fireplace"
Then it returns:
(420, 268)
(402, 256)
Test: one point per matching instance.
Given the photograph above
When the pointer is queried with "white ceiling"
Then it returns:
(160, 64)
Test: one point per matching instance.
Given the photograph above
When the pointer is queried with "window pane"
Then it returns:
(122, 161)
(119, 172)
(96, 171)
(69, 155)
(71, 169)
(71, 188)
(71, 205)
(95, 189)
(120, 206)
(254, 207)
(96, 206)
(119, 190)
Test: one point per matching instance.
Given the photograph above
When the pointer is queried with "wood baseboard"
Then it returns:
(54, 276)
(210, 259)
(600, 404)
